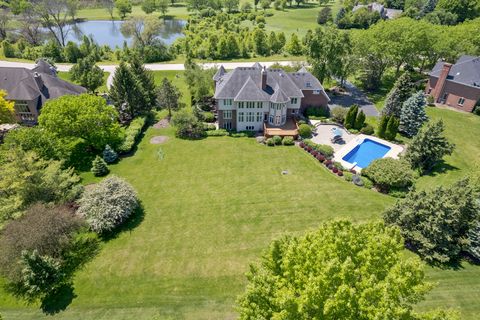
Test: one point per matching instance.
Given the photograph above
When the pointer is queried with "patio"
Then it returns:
(325, 133)
(290, 128)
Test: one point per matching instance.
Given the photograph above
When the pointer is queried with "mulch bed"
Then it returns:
(158, 139)
(162, 124)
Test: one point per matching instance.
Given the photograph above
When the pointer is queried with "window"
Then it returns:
(259, 105)
(293, 101)
(250, 105)
(227, 125)
(250, 128)
(284, 117)
(445, 96)
(259, 117)
(240, 105)
(270, 119)
(308, 84)
(227, 102)
(250, 116)
(240, 117)
(227, 114)
(22, 106)
(294, 111)
(316, 91)
(461, 101)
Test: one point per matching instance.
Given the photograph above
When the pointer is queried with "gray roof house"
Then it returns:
(385, 13)
(259, 99)
(30, 89)
(456, 85)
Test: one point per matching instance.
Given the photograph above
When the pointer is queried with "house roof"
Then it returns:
(25, 84)
(220, 72)
(245, 84)
(465, 71)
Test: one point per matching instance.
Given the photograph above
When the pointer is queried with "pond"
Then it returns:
(106, 32)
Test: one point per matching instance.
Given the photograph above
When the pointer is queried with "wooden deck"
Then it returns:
(290, 128)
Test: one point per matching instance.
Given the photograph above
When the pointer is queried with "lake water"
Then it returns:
(108, 32)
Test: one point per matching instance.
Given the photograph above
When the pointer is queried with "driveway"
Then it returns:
(353, 96)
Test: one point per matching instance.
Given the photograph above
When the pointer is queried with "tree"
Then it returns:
(413, 114)
(7, 109)
(351, 117)
(84, 116)
(167, 96)
(265, 4)
(40, 275)
(124, 7)
(436, 223)
(246, 7)
(464, 9)
(341, 271)
(108, 204)
(109, 155)
(360, 120)
(260, 43)
(199, 81)
(109, 5)
(392, 128)
(325, 51)
(389, 173)
(147, 84)
(382, 126)
(474, 242)
(54, 15)
(187, 125)
(231, 5)
(99, 167)
(428, 147)
(149, 6)
(324, 15)
(125, 93)
(144, 31)
(25, 179)
(401, 91)
(162, 6)
(87, 73)
(294, 47)
(47, 229)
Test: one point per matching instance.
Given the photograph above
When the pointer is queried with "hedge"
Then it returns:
(132, 133)
(324, 149)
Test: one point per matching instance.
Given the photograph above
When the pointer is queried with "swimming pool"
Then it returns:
(366, 152)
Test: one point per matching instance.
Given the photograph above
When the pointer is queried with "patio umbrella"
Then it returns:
(337, 132)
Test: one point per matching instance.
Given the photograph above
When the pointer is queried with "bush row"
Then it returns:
(132, 133)
(277, 140)
(324, 149)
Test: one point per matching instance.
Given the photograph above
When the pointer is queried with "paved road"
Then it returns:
(354, 96)
(153, 66)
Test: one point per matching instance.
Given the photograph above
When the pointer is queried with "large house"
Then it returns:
(456, 85)
(30, 89)
(385, 13)
(260, 99)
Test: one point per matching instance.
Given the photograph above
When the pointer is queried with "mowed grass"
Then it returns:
(66, 76)
(211, 207)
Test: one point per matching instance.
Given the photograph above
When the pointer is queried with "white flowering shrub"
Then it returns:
(108, 204)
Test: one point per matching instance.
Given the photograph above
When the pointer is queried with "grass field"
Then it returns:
(102, 88)
(210, 208)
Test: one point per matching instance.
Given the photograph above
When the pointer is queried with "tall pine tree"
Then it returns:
(413, 114)
(400, 92)
(145, 78)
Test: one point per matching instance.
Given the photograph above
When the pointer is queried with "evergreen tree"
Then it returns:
(474, 241)
(167, 96)
(392, 128)
(125, 93)
(429, 146)
(360, 120)
(147, 84)
(382, 126)
(413, 114)
(99, 167)
(294, 47)
(400, 92)
(109, 155)
(281, 40)
(340, 15)
(351, 117)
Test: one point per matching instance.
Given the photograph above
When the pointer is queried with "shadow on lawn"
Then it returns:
(58, 300)
(440, 168)
(134, 221)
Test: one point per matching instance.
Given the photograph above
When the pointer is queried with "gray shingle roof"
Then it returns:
(220, 72)
(25, 84)
(233, 84)
(466, 71)
(279, 96)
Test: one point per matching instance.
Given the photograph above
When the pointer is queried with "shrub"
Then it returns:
(302, 144)
(340, 173)
(99, 167)
(305, 131)
(288, 141)
(270, 142)
(436, 223)
(109, 155)
(277, 140)
(368, 129)
(132, 133)
(108, 204)
(209, 117)
(217, 133)
(334, 169)
(348, 176)
(353, 131)
(388, 173)
(321, 158)
(187, 125)
(430, 100)
(316, 112)
(324, 149)
(367, 183)
(338, 114)
(209, 126)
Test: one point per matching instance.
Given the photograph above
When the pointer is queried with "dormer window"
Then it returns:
(293, 101)
(308, 84)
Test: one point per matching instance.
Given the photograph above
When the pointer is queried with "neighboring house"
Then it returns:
(30, 89)
(259, 99)
(385, 13)
(456, 85)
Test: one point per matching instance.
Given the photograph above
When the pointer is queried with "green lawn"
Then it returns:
(103, 88)
(178, 79)
(179, 11)
(211, 207)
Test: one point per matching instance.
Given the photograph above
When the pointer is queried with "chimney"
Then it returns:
(438, 91)
(38, 80)
(264, 78)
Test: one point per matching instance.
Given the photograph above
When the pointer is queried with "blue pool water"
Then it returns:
(366, 152)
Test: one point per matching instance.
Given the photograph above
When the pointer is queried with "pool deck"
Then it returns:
(324, 135)
(394, 151)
